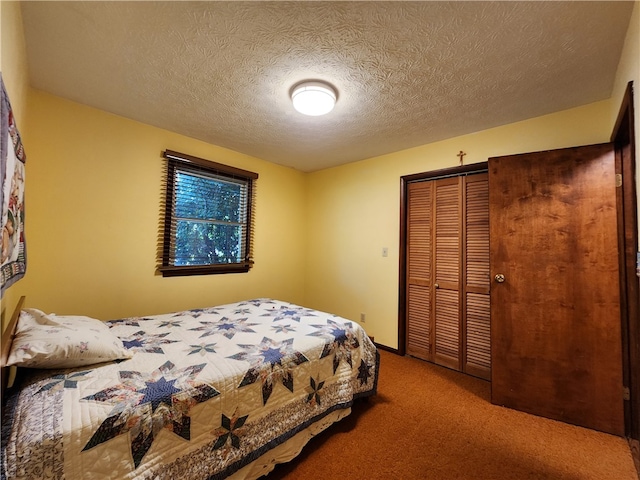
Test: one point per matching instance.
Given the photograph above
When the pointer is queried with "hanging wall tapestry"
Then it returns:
(13, 256)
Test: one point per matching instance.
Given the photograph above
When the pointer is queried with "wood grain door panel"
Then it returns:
(478, 335)
(555, 321)
(476, 306)
(419, 271)
(447, 258)
(447, 293)
(419, 321)
(447, 329)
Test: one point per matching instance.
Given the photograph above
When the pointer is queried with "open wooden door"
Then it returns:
(555, 298)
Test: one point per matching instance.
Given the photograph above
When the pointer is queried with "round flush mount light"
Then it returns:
(313, 98)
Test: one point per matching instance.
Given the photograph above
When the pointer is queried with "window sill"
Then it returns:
(184, 271)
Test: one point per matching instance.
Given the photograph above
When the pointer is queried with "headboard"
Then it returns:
(5, 345)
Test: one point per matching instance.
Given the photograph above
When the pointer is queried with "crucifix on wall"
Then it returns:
(461, 155)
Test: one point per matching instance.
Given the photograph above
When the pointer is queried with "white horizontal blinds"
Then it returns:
(419, 206)
(447, 272)
(208, 215)
(477, 284)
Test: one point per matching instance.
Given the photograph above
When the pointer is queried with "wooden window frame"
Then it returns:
(174, 161)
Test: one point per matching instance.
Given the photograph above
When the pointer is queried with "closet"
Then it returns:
(447, 271)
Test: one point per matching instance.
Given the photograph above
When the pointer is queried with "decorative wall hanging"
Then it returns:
(13, 254)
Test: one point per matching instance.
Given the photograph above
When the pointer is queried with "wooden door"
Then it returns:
(555, 320)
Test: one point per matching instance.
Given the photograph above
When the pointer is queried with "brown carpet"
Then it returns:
(429, 422)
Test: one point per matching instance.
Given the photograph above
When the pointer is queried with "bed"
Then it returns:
(221, 392)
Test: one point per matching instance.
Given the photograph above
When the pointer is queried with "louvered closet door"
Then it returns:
(446, 309)
(419, 199)
(448, 302)
(477, 308)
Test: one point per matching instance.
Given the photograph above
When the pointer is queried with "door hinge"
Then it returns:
(626, 393)
(618, 179)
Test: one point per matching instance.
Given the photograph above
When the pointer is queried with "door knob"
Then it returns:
(499, 278)
(436, 285)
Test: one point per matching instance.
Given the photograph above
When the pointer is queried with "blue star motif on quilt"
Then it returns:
(157, 392)
(225, 326)
(197, 312)
(314, 391)
(202, 349)
(257, 302)
(64, 380)
(145, 403)
(291, 312)
(230, 429)
(341, 341)
(271, 362)
(170, 323)
(283, 328)
(364, 372)
(144, 342)
(132, 342)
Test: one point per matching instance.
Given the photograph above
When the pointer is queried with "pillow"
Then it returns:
(56, 341)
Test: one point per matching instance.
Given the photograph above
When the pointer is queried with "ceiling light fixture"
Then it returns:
(313, 98)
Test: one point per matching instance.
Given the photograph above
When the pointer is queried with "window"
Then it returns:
(208, 214)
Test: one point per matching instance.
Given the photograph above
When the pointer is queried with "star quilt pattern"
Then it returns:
(206, 393)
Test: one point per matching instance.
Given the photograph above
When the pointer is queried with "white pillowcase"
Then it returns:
(56, 341)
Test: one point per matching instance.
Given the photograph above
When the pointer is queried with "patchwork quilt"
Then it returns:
(206, 392)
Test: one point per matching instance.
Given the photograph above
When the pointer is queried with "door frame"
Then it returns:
(623, 138)
(404, 182)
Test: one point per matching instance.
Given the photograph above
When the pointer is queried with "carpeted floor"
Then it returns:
(429, 422)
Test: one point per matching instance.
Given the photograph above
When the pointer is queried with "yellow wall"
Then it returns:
(354, 211)
(93, 198)
(13, 64)
(13, 57)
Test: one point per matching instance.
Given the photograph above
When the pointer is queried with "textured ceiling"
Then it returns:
(407, 73)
